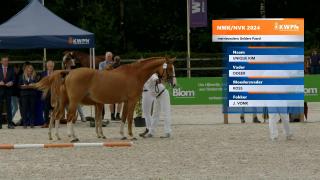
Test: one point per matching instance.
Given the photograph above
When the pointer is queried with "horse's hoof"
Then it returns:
(124, 138)
(103, 137)
(50, 138)
(58, 139)
(132, 138)
(99, 137)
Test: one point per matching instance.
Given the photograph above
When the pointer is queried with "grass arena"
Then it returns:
(202, 147)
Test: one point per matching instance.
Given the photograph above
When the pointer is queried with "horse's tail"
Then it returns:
(59, 100)
(51, 83)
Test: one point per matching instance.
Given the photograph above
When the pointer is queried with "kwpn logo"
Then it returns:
(78, 41)
(286, 27)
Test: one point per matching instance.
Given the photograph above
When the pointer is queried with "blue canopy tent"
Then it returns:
(37, 27)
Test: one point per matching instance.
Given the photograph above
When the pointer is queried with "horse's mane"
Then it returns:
(139, 63)
(149, 59)
(142, 61)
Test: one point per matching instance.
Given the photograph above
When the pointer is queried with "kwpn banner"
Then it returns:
(266, 73)
(258, 30)
(198, 13)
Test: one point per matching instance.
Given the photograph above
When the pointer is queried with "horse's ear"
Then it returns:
(71, 53)
(171, 60)
(65, 52)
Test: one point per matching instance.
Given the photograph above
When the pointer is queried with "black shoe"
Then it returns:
(112, 117)
(144, 133)
(118, 117)
(105, 123)
(10, 127)
(0, 127)
(256, 120)
(242, 120)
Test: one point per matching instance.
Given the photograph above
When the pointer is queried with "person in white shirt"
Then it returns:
(276, 113)
(155, 91)
(102, 66)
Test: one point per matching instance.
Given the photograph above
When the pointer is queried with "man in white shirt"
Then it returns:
(102, 66)
(274, 118)
(276, 113)
(155, 91)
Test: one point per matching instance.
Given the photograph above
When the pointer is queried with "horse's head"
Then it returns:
(166, 72)
(69, 59)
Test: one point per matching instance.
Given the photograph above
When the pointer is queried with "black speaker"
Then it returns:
(139, 122)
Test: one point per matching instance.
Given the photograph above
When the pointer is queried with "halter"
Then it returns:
(164, 71)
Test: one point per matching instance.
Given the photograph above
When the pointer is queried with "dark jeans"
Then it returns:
(7, 99)
(47, 108)
(28, 103)
(314, 70)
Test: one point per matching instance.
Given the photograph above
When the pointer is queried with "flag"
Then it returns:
(198, 13)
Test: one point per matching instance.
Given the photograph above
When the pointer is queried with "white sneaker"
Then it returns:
(167, 135)
(274, 138)
(289, 137)
(149, 135)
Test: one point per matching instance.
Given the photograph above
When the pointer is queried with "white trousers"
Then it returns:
(273, 119)
(147, 100)
(161, 105)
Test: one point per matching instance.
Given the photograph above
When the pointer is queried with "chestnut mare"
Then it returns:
(91, 87)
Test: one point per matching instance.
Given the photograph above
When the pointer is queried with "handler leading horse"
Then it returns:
(124, 84)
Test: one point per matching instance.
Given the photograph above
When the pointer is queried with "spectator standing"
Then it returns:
(6, 83)
(102, 66)
(28, 96)
(47, 101)
(315, 63)
(117, 107)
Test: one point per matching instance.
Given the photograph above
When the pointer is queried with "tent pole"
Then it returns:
(94, 58)
(44, 58)
(44, 52)
(188, 40)
(90, 58)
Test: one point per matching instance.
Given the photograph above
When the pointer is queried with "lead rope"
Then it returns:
(157, 87)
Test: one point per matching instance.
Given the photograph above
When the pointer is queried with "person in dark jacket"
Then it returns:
(28, 96)
(117, 107)
(69, 64)
(6, 83)
(47, 101)
(315, 63)
(15, 105)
